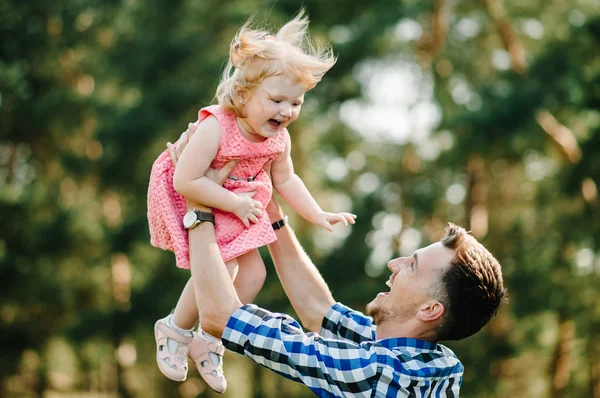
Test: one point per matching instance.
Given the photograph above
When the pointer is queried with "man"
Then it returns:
(446, 291)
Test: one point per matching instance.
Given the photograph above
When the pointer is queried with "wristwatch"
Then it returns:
(194, 217)
(277, 225)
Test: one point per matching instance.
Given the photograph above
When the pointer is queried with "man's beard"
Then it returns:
(378, 314)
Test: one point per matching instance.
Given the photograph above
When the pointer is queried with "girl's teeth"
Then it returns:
(388, 283)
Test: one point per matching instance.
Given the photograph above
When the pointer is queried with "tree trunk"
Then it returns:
(508, 34)
(561, 364)
(594, 367)
(477, 198)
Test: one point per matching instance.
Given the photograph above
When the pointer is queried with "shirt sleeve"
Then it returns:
(346, 323)
(329, 367)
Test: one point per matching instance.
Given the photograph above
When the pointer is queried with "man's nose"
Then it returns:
(394, 264)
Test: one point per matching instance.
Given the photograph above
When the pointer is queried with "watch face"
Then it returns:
(189, 219)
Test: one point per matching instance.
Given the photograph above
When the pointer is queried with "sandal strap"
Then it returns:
(217, 349)
(173, 335)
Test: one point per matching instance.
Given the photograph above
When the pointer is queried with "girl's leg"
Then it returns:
(173, 335)
(185, 315)
(251, 276)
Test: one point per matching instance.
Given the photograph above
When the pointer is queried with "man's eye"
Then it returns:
(277, 101)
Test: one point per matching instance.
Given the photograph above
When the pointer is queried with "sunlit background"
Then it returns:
(483, 113)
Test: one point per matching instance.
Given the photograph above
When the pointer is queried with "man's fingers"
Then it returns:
(226, 170)
(191, 129)
(267, 168)
(176, 150)
(183, 139)
(180, 147)
(220, 175)
(172, 153)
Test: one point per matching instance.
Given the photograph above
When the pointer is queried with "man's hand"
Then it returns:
(176, 150)
(220, 175)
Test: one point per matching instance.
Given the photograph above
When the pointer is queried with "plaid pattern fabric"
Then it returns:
(344, 360)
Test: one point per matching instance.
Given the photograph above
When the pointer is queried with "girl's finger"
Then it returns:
(257, 212)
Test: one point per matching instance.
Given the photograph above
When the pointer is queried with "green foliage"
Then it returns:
(90, 92)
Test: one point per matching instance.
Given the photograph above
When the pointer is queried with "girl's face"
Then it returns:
(271, 107)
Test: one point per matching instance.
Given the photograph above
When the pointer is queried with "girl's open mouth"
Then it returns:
(274, 123)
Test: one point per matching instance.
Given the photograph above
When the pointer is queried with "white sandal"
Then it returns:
(171, 359)
(208, 357)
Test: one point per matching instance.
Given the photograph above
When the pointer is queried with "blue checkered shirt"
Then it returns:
(344, 360)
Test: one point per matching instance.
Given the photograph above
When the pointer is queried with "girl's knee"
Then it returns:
(260, 273)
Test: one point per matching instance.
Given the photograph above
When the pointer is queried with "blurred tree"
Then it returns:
(481, 113)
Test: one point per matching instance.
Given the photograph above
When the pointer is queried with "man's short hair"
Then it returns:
(471, 289)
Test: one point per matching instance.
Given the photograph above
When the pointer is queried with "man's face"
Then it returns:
(412, 281)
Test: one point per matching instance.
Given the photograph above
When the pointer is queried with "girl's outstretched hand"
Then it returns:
(328, 220)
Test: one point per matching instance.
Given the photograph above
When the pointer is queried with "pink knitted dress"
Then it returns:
(166, 207)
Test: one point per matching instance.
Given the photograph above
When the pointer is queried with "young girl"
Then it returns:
(260, 95)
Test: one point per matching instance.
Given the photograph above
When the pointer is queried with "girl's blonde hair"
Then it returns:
(255, 55)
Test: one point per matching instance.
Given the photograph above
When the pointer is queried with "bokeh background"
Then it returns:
(484, 113)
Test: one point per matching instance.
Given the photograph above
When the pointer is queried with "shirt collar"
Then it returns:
(394, 342)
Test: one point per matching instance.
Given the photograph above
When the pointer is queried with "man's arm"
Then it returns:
(329, 367)
(213, 287)
(303, 284)
(212, 283)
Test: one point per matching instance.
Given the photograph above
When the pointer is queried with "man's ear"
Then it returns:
(431, 311)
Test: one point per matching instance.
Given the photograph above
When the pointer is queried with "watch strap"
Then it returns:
(205, 216)
(278, 224)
